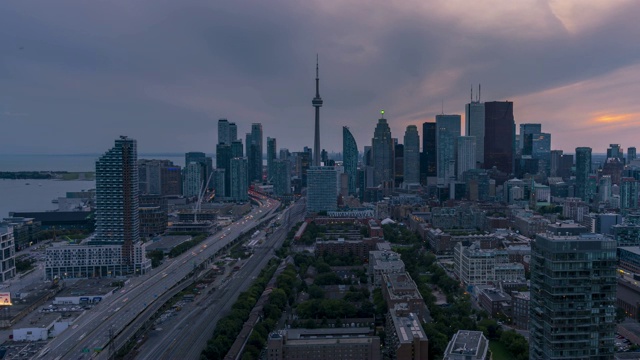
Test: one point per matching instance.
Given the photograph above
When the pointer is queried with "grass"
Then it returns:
(498, 351)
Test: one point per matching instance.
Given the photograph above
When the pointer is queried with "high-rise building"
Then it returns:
(223, 162)
(525, 131)
(350, 159)
(150, 175)
(254, 153)
(628, 193)
(7, 255)
(195, 156)
(615, 151)
(192, 183)
(223, 132)
(474, 126)
(411, 156)
(583, 169)
(219, 182)
(272, 155)
(233, 132)
(236, 149)
(428, 159)
(447, 132)
(317, 103)
(171, 180)
(282, 177)
(239, 180)
(466, 155)
(631, 154)
(382, 153)
(322, 189)
(398, 162)
(573, 297)
(555, 162)
(117, 219)
(499, 136)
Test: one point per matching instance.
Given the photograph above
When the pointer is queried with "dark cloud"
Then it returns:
(164, 71)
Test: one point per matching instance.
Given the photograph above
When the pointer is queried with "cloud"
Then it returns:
(164, 71)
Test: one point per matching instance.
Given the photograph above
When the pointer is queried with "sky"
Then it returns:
(74, 75)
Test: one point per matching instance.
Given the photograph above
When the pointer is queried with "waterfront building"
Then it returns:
(350, 159)
(573, 296)
(447, 132)
(322, 193)
(499, 136)
(193, 180)
(411, 156)
(382, 153)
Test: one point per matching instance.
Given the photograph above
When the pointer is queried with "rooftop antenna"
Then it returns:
(471, 97)
(442, 106)
(479, 93)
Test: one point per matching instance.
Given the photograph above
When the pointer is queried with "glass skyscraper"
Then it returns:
(411, 156)
(573, 297)
(272, 155)
(382, 153)
(583, 169)
(428, 159)
(474, 126)
(322, 189)
(350, 159)
(239, 181)
(499, 136)
(447, 132)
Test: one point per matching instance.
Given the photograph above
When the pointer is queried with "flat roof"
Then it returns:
(408, 328)
(467, 342)
(326, 332)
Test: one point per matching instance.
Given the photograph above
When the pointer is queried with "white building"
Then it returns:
(476, 266)
(81, 261)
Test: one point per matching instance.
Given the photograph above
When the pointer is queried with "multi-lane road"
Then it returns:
(188, 336)
(90, 335)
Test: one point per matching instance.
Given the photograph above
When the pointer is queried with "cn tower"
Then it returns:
(317, 103)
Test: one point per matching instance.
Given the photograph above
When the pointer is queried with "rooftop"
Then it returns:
(470, 344)
(408, 328)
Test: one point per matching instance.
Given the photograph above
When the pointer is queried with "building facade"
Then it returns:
(499, 136)
(7, 255)
(382, 153)
(411, 156)
(350, 159)
(583, 170)
(447, 132)
(428, 159)
(322, 189)
(466, 155)
(239, 186)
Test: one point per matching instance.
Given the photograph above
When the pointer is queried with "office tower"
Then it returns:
(282, 177)
(171, 180)
(583, 169)
(573, 297)
(219, 179)
(428, 159)
(239, 180)
(555, 162)
(447, 132)
(499, 136)
(223, 132)
(255, 153)
(195, 156)
(540, 146)
(284, 154)
(236, 149)
(382, 153)
(631, 154)
(628, 193)
(615, 151)
(193, 183)
(233, 132)
(604, 188)
(350, 159)
(466, 155)
(525, 131)
(474, 125)
(367, 156)
(566, 165)
(322, 191)
(398, 163)
(223, 161)
(411, 156)
(317, 103)
(150, 175)
(271, 157)
(324, 157)
(117, 217)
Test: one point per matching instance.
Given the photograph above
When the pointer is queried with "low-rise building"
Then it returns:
(495, 302)
(476, 266)
(467, 345)
(401, 289)
(384, 262)
(320, 344)
(153, 221)
(520, 309)
(406, 339)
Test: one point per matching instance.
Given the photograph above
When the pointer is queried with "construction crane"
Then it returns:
(198, 205)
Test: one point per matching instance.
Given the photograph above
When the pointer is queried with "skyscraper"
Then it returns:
(556, 160)
(233, 132)
(628, 193)
(411, 155)
(583, 169)
(223, 161)
(615, 151)
(428, 159)
(317, 103)
(525, 130)
(223, 132)
(255, 152)
(322, 189)
(239, 180)
(117, 216)
(573, 297)
(466, 155)
(382, 152)
(447, 132)
(282, 177)
(631, 154)
(474, 125)
(350, 159)
(272, 155)
(499, 136)
(192, 183)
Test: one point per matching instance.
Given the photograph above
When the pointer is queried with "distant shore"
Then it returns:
(47, 175)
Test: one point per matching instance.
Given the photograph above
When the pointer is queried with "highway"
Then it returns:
(91, 332)
(188, 337)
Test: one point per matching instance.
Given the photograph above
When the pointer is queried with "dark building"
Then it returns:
(60, 220)
(399, 163)
(499, 138)
(153, 221)
(583, 170)
(171, 180)
(350, 159)
(428, 158)
(223, 161)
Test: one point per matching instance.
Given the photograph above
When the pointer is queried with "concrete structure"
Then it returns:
(467, 345)
(573, 294)
(447, 132)
(384, 262)
(322, 194)
(382, 153)
(317, 104)
(320, 344)
(411, 158)
(476, 266)
(399, 288)
(7, 253)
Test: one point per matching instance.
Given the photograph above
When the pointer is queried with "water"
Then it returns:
(15, 195)
(72, 163)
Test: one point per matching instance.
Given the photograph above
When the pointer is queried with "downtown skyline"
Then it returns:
(166, 73)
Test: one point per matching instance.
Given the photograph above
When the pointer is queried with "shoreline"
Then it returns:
(48, 175)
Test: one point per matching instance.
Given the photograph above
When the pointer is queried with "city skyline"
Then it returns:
(169, 71)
